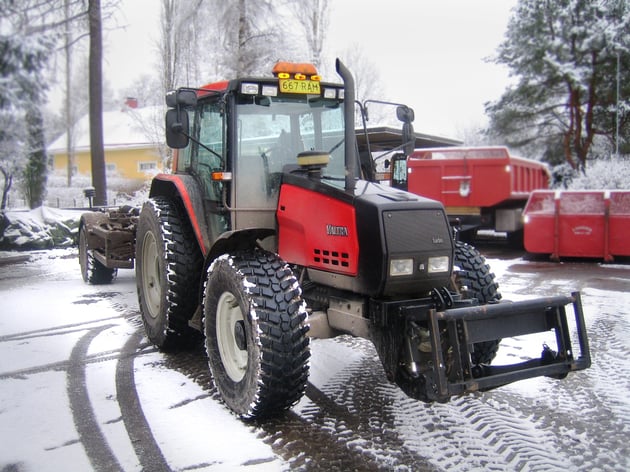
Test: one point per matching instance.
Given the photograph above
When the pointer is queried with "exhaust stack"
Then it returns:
(348, 115)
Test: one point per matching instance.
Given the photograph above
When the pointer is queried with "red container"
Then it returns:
(619, 223)
(578, 223)
(473, 177)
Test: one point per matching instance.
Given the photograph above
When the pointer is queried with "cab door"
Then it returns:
(207, 158)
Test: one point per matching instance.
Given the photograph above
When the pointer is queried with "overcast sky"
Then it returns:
(429, 53)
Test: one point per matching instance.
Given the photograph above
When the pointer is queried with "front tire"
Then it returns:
(168, 269)
(256, 333)
(473, 279)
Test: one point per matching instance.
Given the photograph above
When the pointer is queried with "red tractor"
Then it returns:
(268, 232)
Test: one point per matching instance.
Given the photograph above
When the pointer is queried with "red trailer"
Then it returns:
(593, 223)
(481, 187)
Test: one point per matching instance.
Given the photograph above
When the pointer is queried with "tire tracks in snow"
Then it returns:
(587, 415)
(374, 420)
(88, 428)
(139, 430)
(90, 434)
(342, 425)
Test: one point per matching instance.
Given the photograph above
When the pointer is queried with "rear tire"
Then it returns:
(92, 271)
(475, 280)
(168, 269)
(256, 333)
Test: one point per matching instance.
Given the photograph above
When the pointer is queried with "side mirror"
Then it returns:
(177, 118)
(176, 128)
(405, 114)
(409, 138)
(181, 97)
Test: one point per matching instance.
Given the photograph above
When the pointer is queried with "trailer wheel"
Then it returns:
(474, 280)
(256, 333)
(168, 269)
(92, 271)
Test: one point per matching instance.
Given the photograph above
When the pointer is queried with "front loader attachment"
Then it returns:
(435, 362)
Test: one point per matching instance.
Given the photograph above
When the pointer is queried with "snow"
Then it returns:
(40, 228)
(44, 323)
(613, 173)
(40, 326)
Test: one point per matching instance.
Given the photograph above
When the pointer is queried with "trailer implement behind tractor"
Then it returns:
(269, 232)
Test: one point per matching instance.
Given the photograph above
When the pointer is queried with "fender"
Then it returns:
(185, 187)
(239, 239)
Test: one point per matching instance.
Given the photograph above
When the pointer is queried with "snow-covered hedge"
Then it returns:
(612, 173)
(41, 228)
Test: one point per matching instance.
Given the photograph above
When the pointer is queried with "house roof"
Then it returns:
(128, 128)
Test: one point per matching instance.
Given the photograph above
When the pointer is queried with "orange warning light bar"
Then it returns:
(299, 71)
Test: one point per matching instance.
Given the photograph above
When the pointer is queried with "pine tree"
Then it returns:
(22, 148)
(564, 56)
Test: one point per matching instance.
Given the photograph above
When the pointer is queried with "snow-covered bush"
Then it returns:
(561, 176)
(41, 228)
(120, 191)
(47, 226)
(613, 173)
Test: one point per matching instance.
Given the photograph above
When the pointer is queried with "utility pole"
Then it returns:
(617, 107)
(69, 121)
(97, 148)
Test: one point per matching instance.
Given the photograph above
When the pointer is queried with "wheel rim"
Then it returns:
(231, 337)
(151, 286)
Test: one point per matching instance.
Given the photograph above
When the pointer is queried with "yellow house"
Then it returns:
(132, 138)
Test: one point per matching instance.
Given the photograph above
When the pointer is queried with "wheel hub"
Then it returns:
(239, 335)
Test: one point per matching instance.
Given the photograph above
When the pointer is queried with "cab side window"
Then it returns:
(185, 155)
(208, 157)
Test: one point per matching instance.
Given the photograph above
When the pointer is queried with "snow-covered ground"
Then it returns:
(81, 389)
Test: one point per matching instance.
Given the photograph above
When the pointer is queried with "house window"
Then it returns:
(147, 166)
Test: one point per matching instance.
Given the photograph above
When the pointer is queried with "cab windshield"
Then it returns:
(272, 131)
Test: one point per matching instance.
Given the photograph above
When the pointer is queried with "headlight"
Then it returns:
(249, 88)
(400, 267)
(438, 264)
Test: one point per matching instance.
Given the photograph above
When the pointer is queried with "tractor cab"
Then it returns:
(238, 137)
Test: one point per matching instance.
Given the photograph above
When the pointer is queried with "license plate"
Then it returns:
(299, 86)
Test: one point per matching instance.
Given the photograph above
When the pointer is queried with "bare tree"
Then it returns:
(179, 42)
(249, 36)
(313, 19)
(68, 115)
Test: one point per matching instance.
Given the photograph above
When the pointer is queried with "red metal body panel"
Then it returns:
(183, 192)
(619, 223)
(213, 87)
(473, 177)
(578, 223)
(316, 230)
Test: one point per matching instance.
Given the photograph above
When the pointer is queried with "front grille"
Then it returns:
(408, 231)
(331, 258)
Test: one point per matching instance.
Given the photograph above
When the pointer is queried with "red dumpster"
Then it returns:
(578, 223)
(619, 223)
